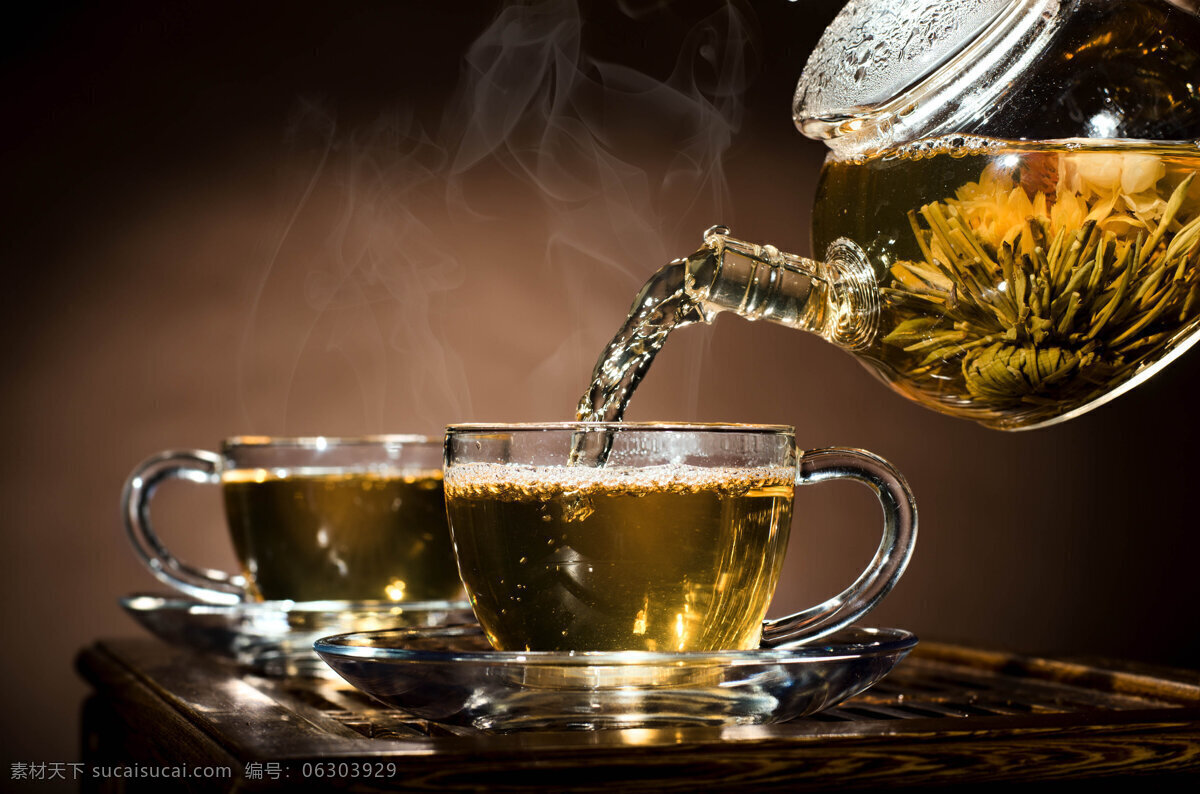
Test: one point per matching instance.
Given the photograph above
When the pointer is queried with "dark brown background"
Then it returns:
(165, 286)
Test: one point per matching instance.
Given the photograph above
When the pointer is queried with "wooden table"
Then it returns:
(946, 715)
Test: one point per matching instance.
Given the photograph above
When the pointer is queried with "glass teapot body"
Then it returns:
(1026, 203)
(1023, 283)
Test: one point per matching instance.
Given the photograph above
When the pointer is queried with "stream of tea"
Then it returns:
(661, 306)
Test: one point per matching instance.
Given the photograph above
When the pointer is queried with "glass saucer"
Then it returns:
(449, 675)
(276, 637)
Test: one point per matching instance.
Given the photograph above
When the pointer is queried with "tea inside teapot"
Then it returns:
(1022, 282)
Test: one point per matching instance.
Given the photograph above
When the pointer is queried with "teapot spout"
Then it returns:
(837, 298)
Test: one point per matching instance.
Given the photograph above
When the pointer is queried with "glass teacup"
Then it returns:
(311, 519)
(674, 544)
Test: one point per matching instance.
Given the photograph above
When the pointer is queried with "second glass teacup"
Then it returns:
(674, 544)
(311, 519)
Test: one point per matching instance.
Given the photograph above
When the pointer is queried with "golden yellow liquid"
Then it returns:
(671, 558)
(977, 245)
(312, 536)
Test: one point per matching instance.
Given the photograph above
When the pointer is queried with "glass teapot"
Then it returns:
(1009, 211)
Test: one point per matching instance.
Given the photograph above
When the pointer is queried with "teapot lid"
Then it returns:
(886, 74)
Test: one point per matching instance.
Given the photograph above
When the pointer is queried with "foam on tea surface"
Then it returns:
(667, 558)
(513, 482)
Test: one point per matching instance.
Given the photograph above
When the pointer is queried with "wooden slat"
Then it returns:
(1120, 678)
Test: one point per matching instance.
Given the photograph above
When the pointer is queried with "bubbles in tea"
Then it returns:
(372, 535)
(668, 558)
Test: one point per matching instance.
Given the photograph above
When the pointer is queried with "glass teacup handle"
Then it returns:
(195, 465)
(895, 549)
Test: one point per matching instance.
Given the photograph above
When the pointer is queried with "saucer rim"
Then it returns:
(888, 641)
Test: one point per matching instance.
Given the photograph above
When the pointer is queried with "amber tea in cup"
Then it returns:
(675, 543)
(359, 519)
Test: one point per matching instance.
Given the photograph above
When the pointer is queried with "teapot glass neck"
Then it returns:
(837, 298)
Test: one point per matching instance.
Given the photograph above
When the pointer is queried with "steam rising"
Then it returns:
(597, 173)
